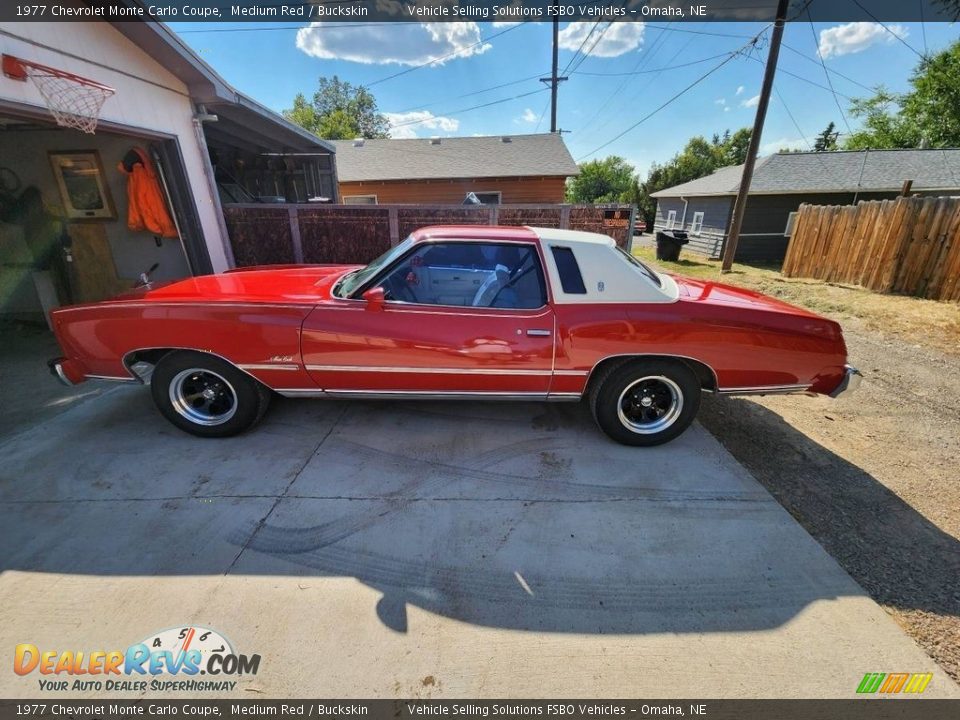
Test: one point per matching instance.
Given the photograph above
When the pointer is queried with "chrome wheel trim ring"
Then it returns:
(203, 397)
(659, 395)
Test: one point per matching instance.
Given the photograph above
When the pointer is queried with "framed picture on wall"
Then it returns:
(82, 184)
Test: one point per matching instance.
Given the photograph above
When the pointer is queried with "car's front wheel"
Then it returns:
(207, 396)
(645, 402)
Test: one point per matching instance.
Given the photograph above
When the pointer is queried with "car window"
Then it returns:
(571, 280)
(644, 269)
(348, 284)
(469, 275)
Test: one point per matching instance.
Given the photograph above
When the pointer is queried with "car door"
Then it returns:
(459, 319)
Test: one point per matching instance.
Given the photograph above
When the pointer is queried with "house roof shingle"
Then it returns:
(454, 157)
(840, 171)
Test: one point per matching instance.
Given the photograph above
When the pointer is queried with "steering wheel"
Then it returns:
(399, 290)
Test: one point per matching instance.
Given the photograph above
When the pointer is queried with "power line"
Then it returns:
(473, 107)
(802, 78)
(471, 94)
(641, 62)
(652, 70)
(689, 87)
(905, 43)
(816, 42)
(699, 32)
(481, 41)
(830, 70)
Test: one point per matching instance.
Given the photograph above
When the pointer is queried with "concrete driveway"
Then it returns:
(433, 550)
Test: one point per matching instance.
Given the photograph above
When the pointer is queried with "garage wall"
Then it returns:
(133, 252)
(148, 97)
(513, 190)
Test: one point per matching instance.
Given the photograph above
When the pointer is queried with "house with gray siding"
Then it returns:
(782, 182)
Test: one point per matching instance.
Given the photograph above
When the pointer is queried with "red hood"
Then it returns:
(296, 284)
(714, 293)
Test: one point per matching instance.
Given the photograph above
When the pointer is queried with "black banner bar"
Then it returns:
(857, 709)
(306, 11)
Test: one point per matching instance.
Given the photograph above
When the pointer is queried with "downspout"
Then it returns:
(863, 166)
(198, 120)
(683, 219)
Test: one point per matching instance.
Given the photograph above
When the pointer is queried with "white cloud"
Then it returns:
(396, 43)
(726, 109)
(856, 37)
(784, 143)
(740, 90)
(618, 38)
(527, 116)
(405, 125)
(751, 102)
(720, 101)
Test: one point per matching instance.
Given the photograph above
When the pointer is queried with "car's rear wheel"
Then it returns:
(645, 402)
(207, 396)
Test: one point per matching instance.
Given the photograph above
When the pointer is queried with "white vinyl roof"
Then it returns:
(608, 276)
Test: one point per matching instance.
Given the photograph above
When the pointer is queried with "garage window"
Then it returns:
(570, 278)
(359, 199)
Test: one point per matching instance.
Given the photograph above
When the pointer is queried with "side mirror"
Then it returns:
(375, 298)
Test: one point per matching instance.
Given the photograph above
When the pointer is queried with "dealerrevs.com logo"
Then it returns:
(170, 660)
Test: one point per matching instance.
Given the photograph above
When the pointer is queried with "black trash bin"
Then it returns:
(669, 243)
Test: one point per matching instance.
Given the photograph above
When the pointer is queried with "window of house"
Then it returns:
(571, 280)
(791, 221)
(468, 274)
(359, 199)
(488, 197)
(671, 219)
(697, 225)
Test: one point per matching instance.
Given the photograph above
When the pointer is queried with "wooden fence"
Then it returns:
(908, 245)
(263, 234)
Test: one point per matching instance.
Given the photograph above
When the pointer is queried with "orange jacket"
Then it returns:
(147, 207)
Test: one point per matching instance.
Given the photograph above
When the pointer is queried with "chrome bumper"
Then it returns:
(56, 369)
(851, 381)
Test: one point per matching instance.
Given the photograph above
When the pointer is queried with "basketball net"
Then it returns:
(73, 102)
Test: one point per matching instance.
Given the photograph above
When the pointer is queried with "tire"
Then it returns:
(645, 402)
(207, 396)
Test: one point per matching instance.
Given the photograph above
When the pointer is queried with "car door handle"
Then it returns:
(538, 333)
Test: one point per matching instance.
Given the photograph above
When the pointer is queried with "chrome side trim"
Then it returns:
(716, 380)
(113, 378)
(267, 366)
(127, 354)
(572, 373)
(851, 381)
(426, 395)
(764, 390)
(173, 303)
(427, 371)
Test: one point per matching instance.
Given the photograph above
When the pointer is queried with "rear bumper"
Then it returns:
(851, 381)
(65, 371)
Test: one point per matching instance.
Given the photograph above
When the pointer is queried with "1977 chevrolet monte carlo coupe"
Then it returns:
(464, 313)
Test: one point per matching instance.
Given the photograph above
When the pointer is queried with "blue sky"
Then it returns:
(272, 63)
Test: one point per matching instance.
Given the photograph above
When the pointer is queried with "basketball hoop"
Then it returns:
(73, 101)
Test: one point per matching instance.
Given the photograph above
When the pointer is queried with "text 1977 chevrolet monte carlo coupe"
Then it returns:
(465, 313)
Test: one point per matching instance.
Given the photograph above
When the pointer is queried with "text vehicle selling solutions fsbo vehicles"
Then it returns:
(458, 313)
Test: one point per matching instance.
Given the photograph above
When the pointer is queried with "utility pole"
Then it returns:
(553, 80)
(740, 205)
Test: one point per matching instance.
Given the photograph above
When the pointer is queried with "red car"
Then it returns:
(464, 313)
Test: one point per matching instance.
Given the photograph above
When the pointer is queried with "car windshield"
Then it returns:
(349, 283)
(644, 269)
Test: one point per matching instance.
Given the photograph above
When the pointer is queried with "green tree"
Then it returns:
(698, 158)
(927, 114)
(826, 140)
(339, 111)
(609, 180)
